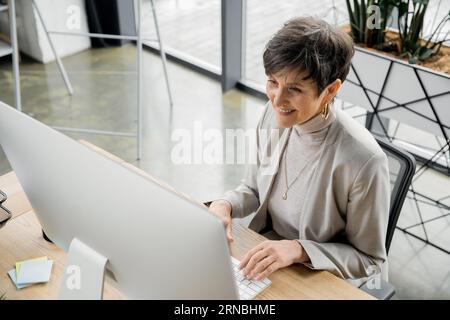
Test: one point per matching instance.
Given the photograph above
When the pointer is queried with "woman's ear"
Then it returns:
(334, 87)
(331, 90)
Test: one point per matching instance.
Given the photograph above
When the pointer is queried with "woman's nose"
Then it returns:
(279, 98)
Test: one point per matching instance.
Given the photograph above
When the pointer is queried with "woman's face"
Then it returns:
(296, 100)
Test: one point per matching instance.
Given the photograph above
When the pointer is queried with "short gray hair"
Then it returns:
(312, 45)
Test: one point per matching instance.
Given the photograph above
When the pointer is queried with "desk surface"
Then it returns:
(22, 239)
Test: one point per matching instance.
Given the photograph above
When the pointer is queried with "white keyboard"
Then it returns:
(248, 289)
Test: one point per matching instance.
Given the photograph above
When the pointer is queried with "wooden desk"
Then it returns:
(21, 239)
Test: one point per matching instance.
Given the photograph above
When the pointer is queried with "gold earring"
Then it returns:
(325, 111)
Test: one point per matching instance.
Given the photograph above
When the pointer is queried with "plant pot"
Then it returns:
(439, 62)
(393, 89)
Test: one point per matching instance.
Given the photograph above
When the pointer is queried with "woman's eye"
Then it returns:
(296, 90)
(272, 81)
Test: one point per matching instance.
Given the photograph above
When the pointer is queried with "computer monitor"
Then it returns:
(158, 244)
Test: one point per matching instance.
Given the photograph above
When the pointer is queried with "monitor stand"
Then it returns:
(84, 273)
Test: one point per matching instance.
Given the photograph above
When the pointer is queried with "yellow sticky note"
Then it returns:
(18, 264)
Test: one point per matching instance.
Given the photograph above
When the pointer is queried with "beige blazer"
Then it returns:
(343, 224)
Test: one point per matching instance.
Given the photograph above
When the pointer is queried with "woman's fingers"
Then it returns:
(254, 256)
(227, 225)
(249, 254)
(222, 209)
(269, 256)
(253, 261)
(261, 266)
(229, 233)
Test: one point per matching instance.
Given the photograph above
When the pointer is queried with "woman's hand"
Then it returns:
(270, 256)
(222, 209)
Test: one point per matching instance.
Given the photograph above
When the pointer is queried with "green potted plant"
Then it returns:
(410, 24)
(407, 41)
(360, 15)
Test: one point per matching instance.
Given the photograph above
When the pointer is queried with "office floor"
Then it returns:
(105, 99)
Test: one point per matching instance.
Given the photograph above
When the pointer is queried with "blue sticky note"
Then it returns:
(12, 275)
(36, 271)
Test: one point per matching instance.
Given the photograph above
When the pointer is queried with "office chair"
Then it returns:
(401, 171)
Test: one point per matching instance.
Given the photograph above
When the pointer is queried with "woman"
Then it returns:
(327, 197)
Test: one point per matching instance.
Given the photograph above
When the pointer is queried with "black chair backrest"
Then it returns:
(402, 166)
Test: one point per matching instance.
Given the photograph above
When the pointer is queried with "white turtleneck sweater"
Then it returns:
(299, 162)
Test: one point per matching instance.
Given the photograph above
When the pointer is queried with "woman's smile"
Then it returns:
(285, 111)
